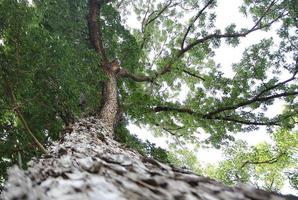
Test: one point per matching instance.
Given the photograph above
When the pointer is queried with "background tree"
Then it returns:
(264, 165)
(52, 51)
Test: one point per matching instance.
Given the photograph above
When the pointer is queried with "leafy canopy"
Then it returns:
(47, 62)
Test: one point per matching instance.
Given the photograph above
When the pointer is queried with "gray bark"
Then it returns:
(88, 164)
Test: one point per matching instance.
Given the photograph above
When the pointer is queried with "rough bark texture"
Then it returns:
(109, 107)
(109, 110)
(88, 164)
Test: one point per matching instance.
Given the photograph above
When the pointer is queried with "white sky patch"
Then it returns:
(145, 134)
(255, 137)
(209, 156)
(275, 109)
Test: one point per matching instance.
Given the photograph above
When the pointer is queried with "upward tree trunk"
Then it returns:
(88, 164)
(109, 110)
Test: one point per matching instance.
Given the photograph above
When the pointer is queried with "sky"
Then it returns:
(227, 13)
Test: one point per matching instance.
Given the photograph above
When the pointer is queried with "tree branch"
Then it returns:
(270, 161)
(159, 13)
(168, 67)
(245, 122)
(173, 109)
(142, 78)
(253, 100)
(192, 23)
(221, 118)
(95, 32)
(257, 26)
(193, 74)
(24, 123)
(150, 19)
(275, 86)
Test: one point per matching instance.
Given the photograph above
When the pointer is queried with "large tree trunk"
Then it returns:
(88, 164)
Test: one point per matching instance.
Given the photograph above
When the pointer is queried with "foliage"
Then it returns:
(186, 159)
(145, 148)
(47, 61)
(264, 165)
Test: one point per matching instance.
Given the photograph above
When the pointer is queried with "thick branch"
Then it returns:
(202, 116)
(174, 109)
(142, 78)
(253, 100)
(138, 78)
(95, 32)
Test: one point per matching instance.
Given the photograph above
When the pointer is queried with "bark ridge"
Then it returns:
(88, 164)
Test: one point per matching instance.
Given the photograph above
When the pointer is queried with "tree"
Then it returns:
(264, 165)
(52, 54)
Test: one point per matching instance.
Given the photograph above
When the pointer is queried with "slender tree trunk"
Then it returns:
(88, 164)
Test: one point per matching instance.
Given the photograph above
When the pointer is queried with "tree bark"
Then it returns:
(109, 109)
(88, 164)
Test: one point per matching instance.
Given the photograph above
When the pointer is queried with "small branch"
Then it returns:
(194, 20)
(270, 161)
(159, 13)
(119, 4)
(275, 86)
(151, 18)
(144, 20)
(193, 74)
(245, 122)
(256, 27)
(22, 119)
(264, 14)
